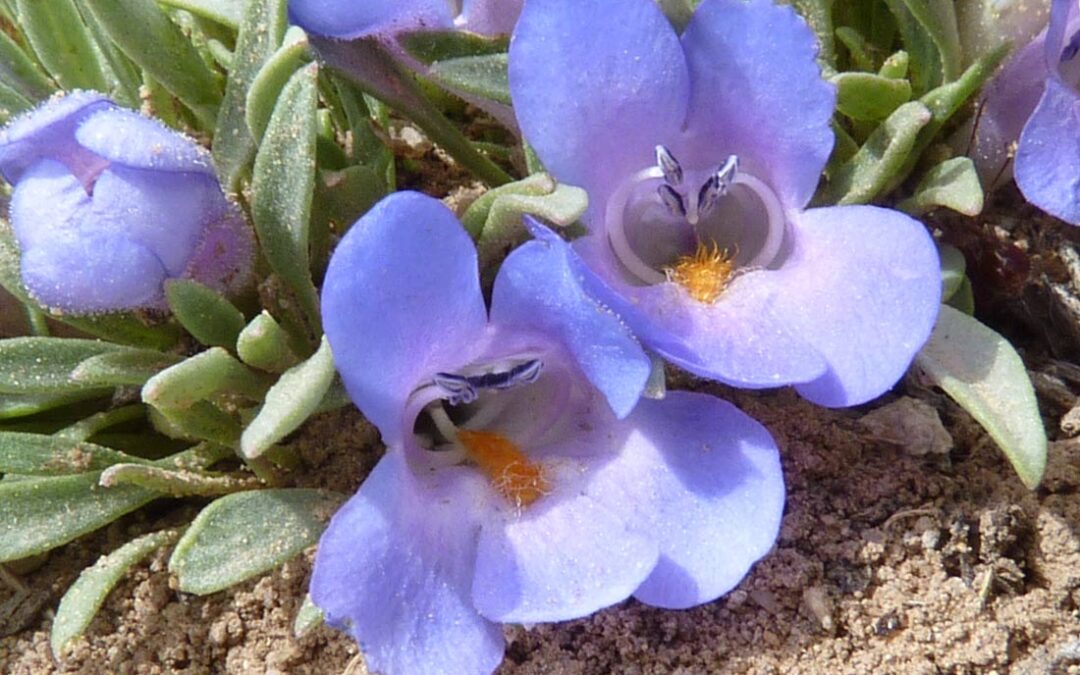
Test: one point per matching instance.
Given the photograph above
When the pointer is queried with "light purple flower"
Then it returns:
(108, 204)
(1047, 167)
(523, 480)
(350, 19)
(700, 153)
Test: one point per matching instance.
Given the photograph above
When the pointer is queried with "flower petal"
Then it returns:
(863, 285)
(49, 131)
(394, 568)
(47, 200)
(89, 272)
(401, 300)
(756, 92)
(165, 212)
(573, 551)
(595, 103)
(715, 494)
(537, 289)
(349, 19)
(126, 137)
(490, 17)
(1047, 165)
(743, 339)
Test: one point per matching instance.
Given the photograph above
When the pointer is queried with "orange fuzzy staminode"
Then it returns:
(704, 274)
(507, 467)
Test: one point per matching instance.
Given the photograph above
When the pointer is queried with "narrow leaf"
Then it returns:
(290, 402)
(245, 534)
(127, 367)
(484, 76)
(85, 597)
(200, 377)
(953, 184)
(877, 162)
(42, 455)
(13, 406)
(982, 372)
(261, 29)
(271, 80)
(308, 617)
(226, 12)
(176, 482)
(205, 313)
(19, 72)
(953, 268)
(160, 47)
(869, 97)
(264, 344)
(39, 514)
(72, 60)
(283, 184)
(44, 365)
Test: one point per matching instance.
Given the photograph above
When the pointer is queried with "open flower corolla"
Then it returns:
(108, 204)
(523, 479)
(700, 153)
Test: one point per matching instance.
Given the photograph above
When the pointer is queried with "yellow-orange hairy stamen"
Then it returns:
(509, 470)
(703, 274)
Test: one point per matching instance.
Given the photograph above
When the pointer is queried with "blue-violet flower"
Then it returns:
(1047, 165)
(108, 204)
(700, 153)
(349, 20)
(523, 480)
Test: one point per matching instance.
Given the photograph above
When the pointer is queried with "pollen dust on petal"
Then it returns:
(509, 470)
(704, 274)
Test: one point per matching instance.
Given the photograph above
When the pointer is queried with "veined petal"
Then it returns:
(715, 494)
(757, 92)
(350, 19)
(862, 284)
(401, 300)
(595, 103)
(1047, 168)
(575, 550)
(538, 289)
(49, 131)
(394, 568)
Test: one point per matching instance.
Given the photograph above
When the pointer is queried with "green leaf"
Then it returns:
(290, 402)
(20, 73)
(159, 46)
(936, 21)
(484, 76)
(307, 617)
(271, 80)
(126, 329)
(818, 14)
(42, 455)
(876, 163)
(12, 103)
(13, 406)
(953, 267)
(84, 598)
(43, 365)
(176, 482)
(261, 30)
(127, 367)
(283, 184)
(205, 313)
(226, 12)
(953, 184)
(264, 344)
(495, 218)
(896, 66)
(39, 514)
(203, 421)
(60, 39)
(869, 97)
(242, 535)
(432, 46)
(982, 372)
(200, 377)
